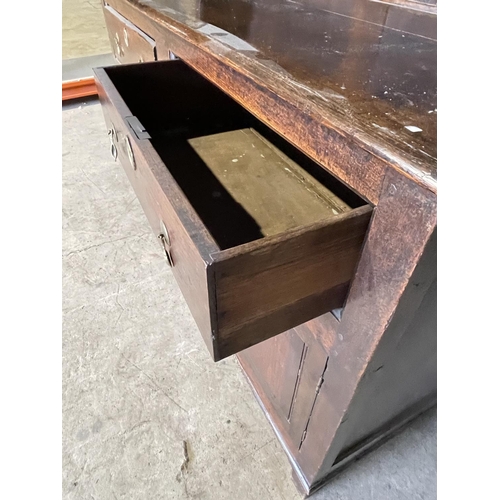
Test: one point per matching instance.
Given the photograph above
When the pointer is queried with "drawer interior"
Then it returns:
(244, 181)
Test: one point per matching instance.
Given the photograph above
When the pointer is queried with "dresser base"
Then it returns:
(376, 439)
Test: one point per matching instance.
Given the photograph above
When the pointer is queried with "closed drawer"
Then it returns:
(129, 43)
(259, 237)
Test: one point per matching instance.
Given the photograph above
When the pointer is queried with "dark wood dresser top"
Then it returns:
(364, 68)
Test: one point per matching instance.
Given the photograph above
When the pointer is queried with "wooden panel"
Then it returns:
(402, 373)
(129, 43)
(294, 102)
(162, 200)
(401, 228)
(289, 369)
(264, 289)
(322, 329)
(246, 188)
(277, 366)
(273, 189)
(266, 365)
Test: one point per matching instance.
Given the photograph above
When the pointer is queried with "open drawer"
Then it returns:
(260, 238)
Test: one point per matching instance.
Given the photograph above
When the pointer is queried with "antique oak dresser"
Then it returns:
(284, 153)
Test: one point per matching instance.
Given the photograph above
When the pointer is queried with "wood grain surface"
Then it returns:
(292, 278)
(128, 42)
(352, 85)
(295, 253)
(357, 128)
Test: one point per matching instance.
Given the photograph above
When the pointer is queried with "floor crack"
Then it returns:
(153, 382)
(102, 243)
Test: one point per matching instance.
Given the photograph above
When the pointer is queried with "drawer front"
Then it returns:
(245, 294)
(129, 43)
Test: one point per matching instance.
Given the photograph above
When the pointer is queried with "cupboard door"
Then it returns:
(287, 372)
(276, 365)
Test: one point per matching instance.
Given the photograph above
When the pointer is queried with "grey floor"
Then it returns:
(138, 381)
(81, 67)
(83, 29)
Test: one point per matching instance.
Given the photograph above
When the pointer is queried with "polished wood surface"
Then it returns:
(368, 62)
(74, 89)
(368, 68)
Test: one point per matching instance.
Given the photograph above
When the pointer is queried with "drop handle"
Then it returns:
(165, 243)
(112, 135)
(130, 152)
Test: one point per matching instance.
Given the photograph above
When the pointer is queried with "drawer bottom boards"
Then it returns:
(244, 188)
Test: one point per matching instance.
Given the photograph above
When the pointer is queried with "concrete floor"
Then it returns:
(82, 67)
(83, 29)
(138, 382)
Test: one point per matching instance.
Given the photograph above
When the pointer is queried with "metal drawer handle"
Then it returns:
(166, 249)
(112, 135)
(128, 147)
(164, 231)
(130, 152)
(164, 238)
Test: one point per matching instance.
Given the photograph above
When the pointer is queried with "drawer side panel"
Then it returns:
(162, 201)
